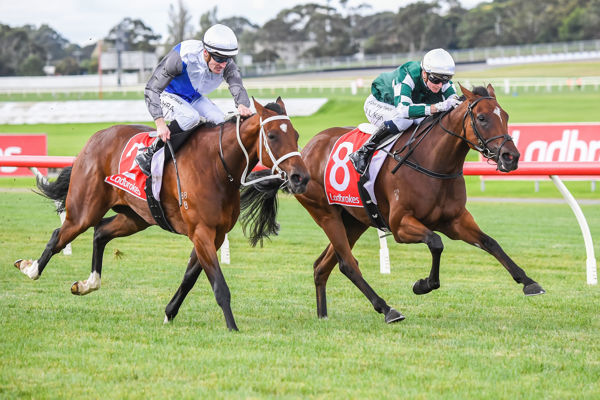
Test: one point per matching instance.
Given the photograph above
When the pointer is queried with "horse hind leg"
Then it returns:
(59, 239)
(342, 246)
(33, 268)
(109, 228)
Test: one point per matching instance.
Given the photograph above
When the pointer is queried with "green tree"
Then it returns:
(68, 66)
(32, 66)
(134, 35)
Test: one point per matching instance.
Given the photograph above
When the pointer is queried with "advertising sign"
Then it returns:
(22, 145)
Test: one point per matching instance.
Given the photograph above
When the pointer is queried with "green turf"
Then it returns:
(475, 337)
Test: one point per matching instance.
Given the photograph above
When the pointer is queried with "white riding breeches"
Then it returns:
(187, 114)
(377, 112)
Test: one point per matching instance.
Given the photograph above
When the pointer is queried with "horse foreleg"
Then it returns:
(109, 228)
(321, 270)
(411, 230)
(189, 280)
(432, 282)
(207, 257)
(465, 228)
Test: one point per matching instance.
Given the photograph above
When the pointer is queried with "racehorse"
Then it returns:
(211, 168)
(426, 194)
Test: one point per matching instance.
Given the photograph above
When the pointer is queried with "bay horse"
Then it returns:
(426, 194)
(212, 165)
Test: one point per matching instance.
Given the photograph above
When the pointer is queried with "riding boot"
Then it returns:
(360, 158)
(144, 159)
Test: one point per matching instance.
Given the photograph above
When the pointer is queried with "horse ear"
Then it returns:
(468, 94)
(490, 90)
(257, 106)
(280, 102)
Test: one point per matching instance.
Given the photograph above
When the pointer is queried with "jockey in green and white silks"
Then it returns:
(405, 96)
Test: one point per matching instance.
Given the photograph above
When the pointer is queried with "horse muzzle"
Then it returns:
(298, 181)
(508, 160)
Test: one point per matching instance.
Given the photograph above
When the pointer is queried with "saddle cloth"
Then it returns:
(130, 177)
(341, 179)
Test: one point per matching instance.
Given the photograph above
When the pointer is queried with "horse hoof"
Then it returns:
(166, 320)
(423, 286)
(393, 316)
(18, 263)
(75, 288)
(533, 289)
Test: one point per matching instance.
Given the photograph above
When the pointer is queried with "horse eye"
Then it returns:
(271, 136)
(481, 118)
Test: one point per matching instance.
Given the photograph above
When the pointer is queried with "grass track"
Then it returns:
(476, 337)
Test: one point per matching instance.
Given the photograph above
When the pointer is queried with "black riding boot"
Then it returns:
(144, 159)
(360, 158)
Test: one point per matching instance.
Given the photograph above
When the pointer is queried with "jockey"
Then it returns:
(406, 96)
(177, 88)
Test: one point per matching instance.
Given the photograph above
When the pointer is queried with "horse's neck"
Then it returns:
(441, 151)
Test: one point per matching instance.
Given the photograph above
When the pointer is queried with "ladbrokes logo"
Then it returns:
(125, 184)
(344, 198)
(557, 142)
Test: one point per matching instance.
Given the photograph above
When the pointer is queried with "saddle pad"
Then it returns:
(341, 179)
(130, 177)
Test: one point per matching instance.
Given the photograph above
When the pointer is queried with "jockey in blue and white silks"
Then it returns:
(405, 96)
(177, 89)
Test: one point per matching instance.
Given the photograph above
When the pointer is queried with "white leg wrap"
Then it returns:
(92, 283)
(31, 270)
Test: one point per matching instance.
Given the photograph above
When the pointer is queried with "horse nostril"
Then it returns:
(507, 157)
(299, 180)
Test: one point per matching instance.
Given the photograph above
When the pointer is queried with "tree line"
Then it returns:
(314, 30)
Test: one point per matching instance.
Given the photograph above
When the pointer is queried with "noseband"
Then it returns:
(482, 145)
(276, 172)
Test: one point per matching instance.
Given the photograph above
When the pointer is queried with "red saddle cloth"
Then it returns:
(341, 179)
(130, 177)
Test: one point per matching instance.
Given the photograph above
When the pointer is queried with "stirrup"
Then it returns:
(144, 161)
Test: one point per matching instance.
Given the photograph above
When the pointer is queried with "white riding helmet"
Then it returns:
(220, 40)
(438, 62)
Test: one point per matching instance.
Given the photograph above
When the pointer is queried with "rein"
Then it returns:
(276, 172)
(404, 160)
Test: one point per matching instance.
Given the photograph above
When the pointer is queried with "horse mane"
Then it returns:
(479, 91)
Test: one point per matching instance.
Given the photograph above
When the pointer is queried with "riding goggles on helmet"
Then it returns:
(435, 79)
(218, 58)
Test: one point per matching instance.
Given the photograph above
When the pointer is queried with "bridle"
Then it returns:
(482, 145)
(276, 172)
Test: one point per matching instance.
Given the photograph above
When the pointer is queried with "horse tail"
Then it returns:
(258, 206)
(56, 190)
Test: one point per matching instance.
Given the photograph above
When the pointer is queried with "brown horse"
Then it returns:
(426, 194)
(211, 168)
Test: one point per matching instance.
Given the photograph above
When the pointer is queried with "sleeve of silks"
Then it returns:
(232, 76)
(165, 71)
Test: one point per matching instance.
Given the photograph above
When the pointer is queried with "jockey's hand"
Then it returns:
(446, 105)
(162, 129)
(244, 111)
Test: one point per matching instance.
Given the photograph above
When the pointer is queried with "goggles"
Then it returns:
(218, 58)
(435, 79)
